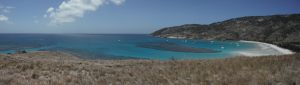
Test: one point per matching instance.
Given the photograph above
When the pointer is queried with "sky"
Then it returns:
(127, 16)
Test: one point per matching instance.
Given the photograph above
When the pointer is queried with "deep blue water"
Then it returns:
(120, 46)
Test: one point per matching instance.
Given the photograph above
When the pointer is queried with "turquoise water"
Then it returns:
(120, 46)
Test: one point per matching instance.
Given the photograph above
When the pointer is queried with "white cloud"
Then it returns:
(3, 18)
(69, 10)
(4, 10)
(50, 9)
(118, 2)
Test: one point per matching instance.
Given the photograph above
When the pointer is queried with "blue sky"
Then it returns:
(127, 16)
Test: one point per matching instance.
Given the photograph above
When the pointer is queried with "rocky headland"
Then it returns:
(281, 30)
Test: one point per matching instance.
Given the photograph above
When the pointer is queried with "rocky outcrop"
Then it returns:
(282, 30)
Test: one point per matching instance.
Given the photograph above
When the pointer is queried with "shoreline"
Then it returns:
(267, 48)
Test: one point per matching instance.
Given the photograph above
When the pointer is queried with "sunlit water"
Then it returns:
(120, 46)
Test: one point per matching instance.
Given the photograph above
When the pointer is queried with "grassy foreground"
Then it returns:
(52, 68)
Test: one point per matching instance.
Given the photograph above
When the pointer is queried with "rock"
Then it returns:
(281, 30)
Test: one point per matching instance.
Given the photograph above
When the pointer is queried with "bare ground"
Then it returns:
(53, 68)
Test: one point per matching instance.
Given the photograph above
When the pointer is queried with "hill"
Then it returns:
(281, 30)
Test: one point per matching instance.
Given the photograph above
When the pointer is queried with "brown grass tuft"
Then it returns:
(53, 68)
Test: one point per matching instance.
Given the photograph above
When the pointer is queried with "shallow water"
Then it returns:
(121, 46)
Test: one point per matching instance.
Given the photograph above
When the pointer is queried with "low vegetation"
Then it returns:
(281, 30)
(53, 68)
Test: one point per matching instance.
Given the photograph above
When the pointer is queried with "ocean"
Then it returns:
(122, 46)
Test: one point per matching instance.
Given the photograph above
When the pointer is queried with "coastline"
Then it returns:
(268, 49)
(261, 49)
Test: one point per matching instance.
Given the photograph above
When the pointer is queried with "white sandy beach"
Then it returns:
(176, 37)
(263, 49)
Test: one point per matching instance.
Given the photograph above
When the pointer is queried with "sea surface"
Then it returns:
(122, 46)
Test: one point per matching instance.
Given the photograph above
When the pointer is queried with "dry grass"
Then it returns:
(48, 68)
